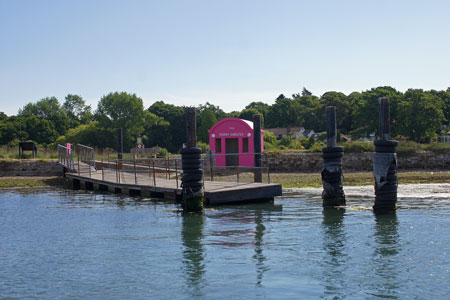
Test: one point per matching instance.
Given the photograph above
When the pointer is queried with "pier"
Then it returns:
(158, 178)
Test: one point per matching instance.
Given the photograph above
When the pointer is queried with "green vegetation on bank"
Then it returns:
(416, 115)
(31, 182)
(296, 180)
(288, 180)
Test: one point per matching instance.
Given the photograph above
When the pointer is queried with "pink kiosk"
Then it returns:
(233, 135)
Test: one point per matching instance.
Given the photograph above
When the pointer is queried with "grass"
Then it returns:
(31, 182)
(13, 153)
(359, 178)
(302, 180)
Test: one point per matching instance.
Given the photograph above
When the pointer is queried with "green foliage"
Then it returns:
(286, 141)
(121, 110)
(440, 148)
(358, 147)
(207, 119)
(247, 114)
(316, 147)
(270, 138)
(90, 135)
(421, 114)
(163, 152)
(50, 110)
(76, 110)
(203, 146)
(407, 147)
(174, 134)
(322, 137)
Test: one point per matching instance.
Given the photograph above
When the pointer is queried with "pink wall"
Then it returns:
(233, 128)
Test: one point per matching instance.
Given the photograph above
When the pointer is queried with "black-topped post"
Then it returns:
(333, 192)
(257, 147)
(385, 162)
(191, 163)
(119, 143)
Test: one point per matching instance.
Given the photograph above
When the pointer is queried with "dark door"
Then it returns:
(232, 146)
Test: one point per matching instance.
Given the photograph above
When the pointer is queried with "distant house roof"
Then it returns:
(285, 130)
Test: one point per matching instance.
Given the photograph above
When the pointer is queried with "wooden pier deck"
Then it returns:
(216, 192)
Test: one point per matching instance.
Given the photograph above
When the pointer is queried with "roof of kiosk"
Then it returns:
(248, 123)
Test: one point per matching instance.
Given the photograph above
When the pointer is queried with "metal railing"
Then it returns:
(86, 155)
(233, 166)
(132, 169)
(65, 157)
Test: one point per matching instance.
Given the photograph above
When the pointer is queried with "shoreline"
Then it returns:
(288, 180)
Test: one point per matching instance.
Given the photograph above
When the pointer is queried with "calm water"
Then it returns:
(78, 245)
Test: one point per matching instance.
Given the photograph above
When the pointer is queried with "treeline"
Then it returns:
(416, 115)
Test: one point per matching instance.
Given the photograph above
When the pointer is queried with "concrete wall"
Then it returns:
(313, 162)
(30, 167)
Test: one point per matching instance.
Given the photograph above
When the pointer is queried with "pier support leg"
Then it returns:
(192, 177)
(257, 147)
(385, 163)
(119, 143)
(333, 193)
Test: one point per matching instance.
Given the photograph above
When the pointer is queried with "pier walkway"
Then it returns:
(135, 178)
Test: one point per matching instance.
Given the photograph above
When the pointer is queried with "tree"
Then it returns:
(305, 92)
(207, 119)
(176, 117)
(91, 135)
(49, 109)
(282, 114)
(156, 130)
(420, 115)
(261, 107)
(217, 111)
(343, 109)
(365, 114)
(41, 131)
(248, 113)
(77, 110)
(122, 110)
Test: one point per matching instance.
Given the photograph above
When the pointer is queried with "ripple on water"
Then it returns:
(65, 245)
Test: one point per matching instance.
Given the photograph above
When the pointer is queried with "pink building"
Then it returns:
(233, 135)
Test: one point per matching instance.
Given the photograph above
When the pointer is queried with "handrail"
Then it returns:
(65, 157)
(86, 155)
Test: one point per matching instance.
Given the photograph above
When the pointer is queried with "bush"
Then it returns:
(269, 137)
(358, 147)
(286, 141)
(269, 146)
(438, 147)
(317, 147)
(407, 147)
(163, 152)
(203, 146)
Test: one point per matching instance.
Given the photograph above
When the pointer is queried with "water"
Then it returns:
(78, 245)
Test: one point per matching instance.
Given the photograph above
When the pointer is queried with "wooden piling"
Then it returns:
(385, 163)
(257, 147)
(192, 178)
(119, 143)
(333, 193)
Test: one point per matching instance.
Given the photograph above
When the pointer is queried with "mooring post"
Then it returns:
(333, 192)
(192, 177)
(257, 147)
(119, 144)
(385, 162)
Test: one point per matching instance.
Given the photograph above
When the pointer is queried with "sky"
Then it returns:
(225, 52)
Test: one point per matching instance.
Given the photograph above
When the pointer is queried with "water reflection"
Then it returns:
(259, 256)
(334, 238)
(386, 259)
(193, 253)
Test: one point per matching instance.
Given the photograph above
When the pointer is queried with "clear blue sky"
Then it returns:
(227, 52)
